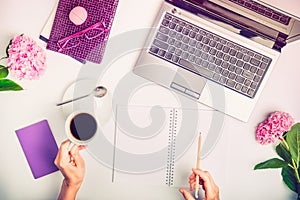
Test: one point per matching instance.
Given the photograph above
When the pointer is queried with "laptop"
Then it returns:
(218, 52)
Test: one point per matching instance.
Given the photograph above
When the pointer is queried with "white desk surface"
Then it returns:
(37, 102)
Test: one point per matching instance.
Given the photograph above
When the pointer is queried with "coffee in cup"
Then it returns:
(81, 127)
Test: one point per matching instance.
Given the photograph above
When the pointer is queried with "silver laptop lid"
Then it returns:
(259, 22)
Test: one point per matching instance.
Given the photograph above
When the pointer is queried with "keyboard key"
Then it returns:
(154, 49)
(263, 66)
(211, 66)
(232, 76)
(239, 55)
(199, 37)
(223, 79)
(185, 39)
(178, 28)
(198, 53)
(238, 71)
(199, 70)
(238, 86)
(161, 53)
(184, 47)
(246, 66)
(177, 44)
(246, 58)
(248, 75)
(240, 79)
(192, 58)
(204, 56)
(175, 58)
(162, 37)
(205, 40)
(165, 22)
(253, 69)
(226, 49)
(254, 61)
(193, 43)
(204, 64)
(250, 92)
(185, 55)
(172, 33)
(171, 41)
(185, 31)
(178, 52)
(219, 46)
(160, 44)
(192, 34)
(164, 30)
(168, 55)
(198, 61)
(256, 79)
(225, 73)
(230, 83)
(172, 25)
(216, 77)
(247, 83)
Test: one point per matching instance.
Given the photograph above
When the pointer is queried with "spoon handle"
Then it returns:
(71, 100)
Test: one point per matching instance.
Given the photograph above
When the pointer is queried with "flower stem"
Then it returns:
(285, 144)
(2, 58)
(294, 165)
(296, 170)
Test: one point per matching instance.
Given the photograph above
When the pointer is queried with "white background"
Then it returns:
(37, 102)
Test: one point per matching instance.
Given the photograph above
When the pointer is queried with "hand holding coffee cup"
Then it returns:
(81, 127)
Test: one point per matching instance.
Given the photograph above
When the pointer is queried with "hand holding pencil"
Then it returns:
(198, 166)
(201, 177)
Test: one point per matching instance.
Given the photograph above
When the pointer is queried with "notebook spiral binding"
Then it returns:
(171, 148)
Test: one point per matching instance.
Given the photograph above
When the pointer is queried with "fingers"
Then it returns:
(206, 177)
(62, 153)
(75, 155)
(65, 155)
(186, 194)
(206, 180)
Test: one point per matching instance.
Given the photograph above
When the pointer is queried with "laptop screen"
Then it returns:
(258, 22)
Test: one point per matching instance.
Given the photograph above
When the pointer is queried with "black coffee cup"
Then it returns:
(81, 127)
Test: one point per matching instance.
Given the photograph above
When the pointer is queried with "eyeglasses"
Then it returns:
(89, 33)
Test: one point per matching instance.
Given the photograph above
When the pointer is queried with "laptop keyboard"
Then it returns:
(263, 10)
(209, 55)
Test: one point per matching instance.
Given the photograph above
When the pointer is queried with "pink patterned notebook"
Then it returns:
(87, 41)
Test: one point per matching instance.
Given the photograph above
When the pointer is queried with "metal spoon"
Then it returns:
(99, 91)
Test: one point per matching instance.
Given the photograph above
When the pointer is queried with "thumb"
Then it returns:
(187, 195)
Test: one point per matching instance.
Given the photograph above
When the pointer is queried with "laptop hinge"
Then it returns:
(280, 41)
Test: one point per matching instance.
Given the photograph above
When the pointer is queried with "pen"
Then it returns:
(198, 166)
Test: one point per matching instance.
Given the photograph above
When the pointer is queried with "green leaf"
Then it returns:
(6, 85)
(3, 71)
(293, 140)
(271, 163)
(283, 152)
(7, 48)
(289, 178)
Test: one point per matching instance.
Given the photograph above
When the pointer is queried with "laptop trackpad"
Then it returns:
(188, 83)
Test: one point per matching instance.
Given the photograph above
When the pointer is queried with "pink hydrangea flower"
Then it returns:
(273, 127)
(26, 60)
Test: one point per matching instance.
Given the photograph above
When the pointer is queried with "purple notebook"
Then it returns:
(39, 147)
(87, 45)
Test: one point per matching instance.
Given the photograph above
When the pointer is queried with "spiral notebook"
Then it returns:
(154, 145)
